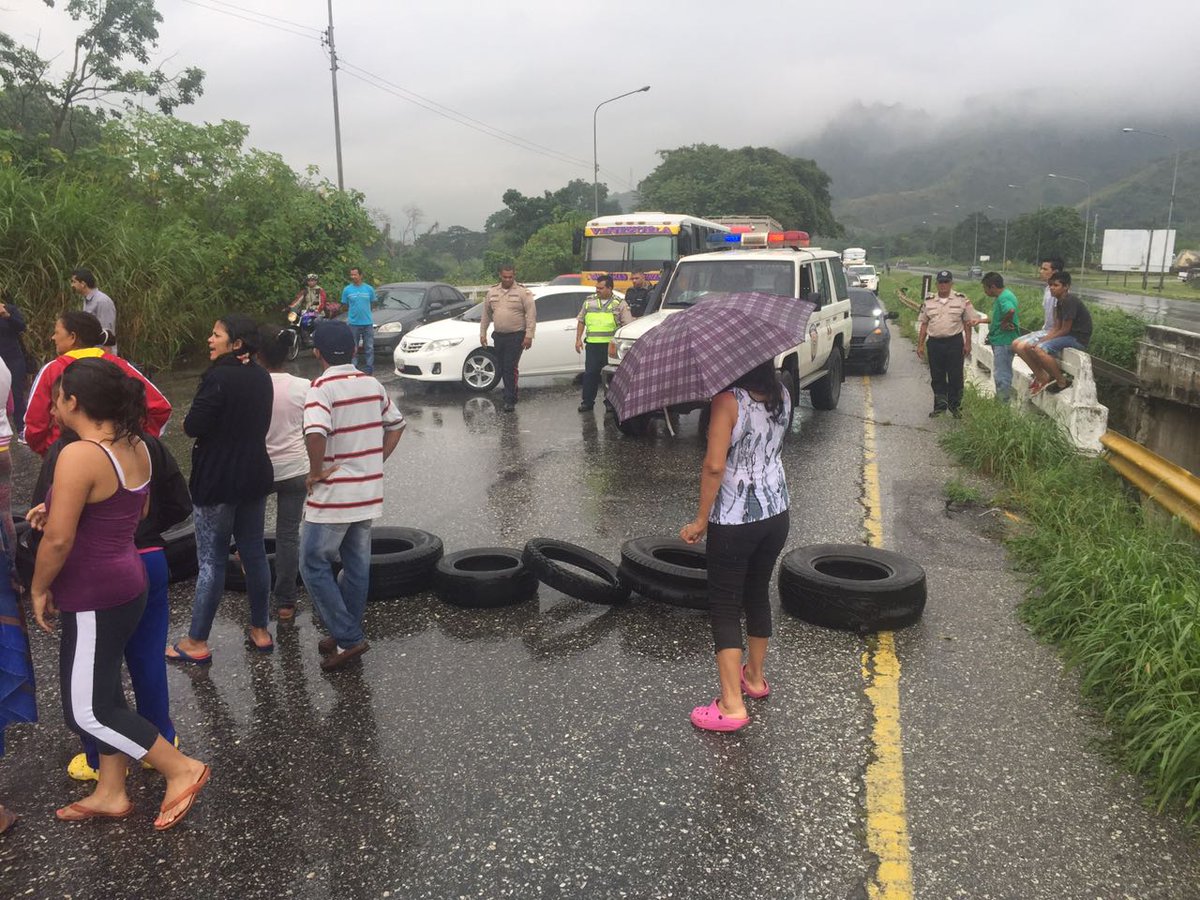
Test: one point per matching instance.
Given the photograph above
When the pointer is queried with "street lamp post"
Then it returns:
(953, 225)
(975, 258)
(595, 157)
(1004, 252)
(1171, 202)
(1087, 214)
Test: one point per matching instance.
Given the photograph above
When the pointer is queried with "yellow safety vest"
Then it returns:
(600, 322)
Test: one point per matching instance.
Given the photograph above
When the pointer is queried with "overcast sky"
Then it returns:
(731, 73)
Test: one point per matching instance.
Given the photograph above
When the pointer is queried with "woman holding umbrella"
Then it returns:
(744, 509)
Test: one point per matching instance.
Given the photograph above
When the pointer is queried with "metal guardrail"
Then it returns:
(1174, 488)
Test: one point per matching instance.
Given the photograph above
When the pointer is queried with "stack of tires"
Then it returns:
(667, 570)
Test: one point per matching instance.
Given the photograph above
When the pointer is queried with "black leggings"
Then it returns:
(92, 650)
(741, 559)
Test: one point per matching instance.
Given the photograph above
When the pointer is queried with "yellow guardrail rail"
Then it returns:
(1174, 488)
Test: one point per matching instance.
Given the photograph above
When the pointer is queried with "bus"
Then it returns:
(642, 242)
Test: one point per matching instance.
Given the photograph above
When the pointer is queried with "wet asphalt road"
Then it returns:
(544, 750)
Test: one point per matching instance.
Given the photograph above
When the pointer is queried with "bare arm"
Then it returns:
(712, 471)
(390, 440)
(74, 481)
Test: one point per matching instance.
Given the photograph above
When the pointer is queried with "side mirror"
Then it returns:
(436, 306)
(576, 241)
(893, 315)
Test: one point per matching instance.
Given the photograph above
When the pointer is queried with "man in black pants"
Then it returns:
(946, 318)
(602, 314)
(509, 307)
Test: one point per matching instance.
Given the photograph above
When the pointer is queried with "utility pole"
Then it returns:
(337, 120)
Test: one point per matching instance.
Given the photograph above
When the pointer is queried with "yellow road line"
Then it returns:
(887, 819)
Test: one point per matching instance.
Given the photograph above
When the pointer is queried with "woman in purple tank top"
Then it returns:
(89, 570)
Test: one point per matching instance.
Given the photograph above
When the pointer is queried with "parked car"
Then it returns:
(974, 272)
(402, 306)
(866, 274)
(450, 350)
(870, 339)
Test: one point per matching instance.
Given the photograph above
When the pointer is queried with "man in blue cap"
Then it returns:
(351, 427)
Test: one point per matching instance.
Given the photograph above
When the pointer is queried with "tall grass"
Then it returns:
(1117, 590)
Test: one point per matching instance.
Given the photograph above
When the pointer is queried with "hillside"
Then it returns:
(893, 166)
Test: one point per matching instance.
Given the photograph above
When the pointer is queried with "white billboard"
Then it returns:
(1127, 249)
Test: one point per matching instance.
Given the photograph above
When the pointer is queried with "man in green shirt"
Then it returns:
(1002, 331)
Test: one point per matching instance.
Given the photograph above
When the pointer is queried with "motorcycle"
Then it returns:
(301, 326)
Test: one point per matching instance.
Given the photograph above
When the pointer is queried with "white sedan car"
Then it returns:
(450, 351)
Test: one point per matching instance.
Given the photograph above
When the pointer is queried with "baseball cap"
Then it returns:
(944, 275)
(335, 342)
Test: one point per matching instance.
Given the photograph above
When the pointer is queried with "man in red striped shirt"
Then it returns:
(350, 427)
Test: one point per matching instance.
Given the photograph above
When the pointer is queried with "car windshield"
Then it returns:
(696, 281)
(474, 314)
(863, 270)
(398, 298)
(864, 304)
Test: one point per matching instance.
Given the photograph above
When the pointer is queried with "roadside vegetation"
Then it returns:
(1115, 586)
(1114, 337)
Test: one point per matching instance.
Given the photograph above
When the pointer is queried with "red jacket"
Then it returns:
(40, 428)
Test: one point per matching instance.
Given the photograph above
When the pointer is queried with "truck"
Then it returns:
(853, 256)
(775, 263)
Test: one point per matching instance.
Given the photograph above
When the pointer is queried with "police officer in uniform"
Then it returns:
(510, 309)
(946, 319)
(601, 315)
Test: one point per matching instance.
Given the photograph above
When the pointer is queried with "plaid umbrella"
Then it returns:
(694, 354)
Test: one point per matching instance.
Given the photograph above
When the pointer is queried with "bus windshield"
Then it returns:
(617, 251)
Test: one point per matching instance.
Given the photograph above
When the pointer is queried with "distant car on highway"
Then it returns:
(866, 274)
(870, 339)
(401, 306)
(450, 350)
(974, 272)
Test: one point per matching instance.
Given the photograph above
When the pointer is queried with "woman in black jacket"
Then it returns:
(231, 478)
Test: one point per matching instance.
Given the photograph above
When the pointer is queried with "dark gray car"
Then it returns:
(870, 340)
(403, 305)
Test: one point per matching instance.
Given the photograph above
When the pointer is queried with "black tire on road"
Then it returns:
(294, 346)
(402, 561)
(851, 587)
(481, 370)
(667, 560)
(179, 547)
(825, 392)
(636, 426)
(688, 596)
(551, 561)
(881, 364)
(484, 577)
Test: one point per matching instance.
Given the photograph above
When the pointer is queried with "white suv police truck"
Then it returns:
(774, 263)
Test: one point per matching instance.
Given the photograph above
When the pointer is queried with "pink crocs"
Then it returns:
(710, 718)
(750, 692)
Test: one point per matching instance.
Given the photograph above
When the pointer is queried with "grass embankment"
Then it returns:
(1115, 589)
(1114, 336)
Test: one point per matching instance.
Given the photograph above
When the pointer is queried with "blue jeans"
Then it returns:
(214, 526)
(1002, 355)
(1055, 346)
(342, 601)
(144, 657)
(364, 337)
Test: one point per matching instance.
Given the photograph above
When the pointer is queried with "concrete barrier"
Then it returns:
(1081, 415)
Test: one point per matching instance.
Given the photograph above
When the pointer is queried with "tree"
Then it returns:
(707, 180)
(1050, 231)
(529, 214)
(548, 252)
(114, 32)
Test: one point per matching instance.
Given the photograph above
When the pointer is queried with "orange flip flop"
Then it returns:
(83, 813)
(188, 797)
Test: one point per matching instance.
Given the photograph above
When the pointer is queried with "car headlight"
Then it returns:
(391, 328)
(623, 348)
(443, 344)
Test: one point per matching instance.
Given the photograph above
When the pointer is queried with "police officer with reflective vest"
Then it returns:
(602, 314)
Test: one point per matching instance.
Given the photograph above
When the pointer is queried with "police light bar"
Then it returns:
(753, 239)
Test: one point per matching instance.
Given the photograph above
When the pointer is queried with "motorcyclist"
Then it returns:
(312, 298)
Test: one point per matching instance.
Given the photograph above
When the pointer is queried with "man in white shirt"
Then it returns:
(351, 427)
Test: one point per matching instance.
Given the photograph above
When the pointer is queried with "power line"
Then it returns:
(266, 15)
(225, 12)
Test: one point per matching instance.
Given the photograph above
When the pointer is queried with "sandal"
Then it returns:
(259, 648)
(750, 692)
(189, 795)
(182, 656)
(710, 718)
(1056, 388)
(1037, 387)
(286, 612)
(82, 813)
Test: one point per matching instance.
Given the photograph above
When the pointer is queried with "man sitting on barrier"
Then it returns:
(1072, 328)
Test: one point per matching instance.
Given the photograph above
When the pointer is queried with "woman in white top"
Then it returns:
(285, 446)
(744, 509)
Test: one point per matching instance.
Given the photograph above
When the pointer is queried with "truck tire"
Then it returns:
(402, 561)
(179, 547)
(667, 560)
(636, 426)
(825, 392)
(685, 596)
(851, 587)
(552, 561)
(485, 577)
